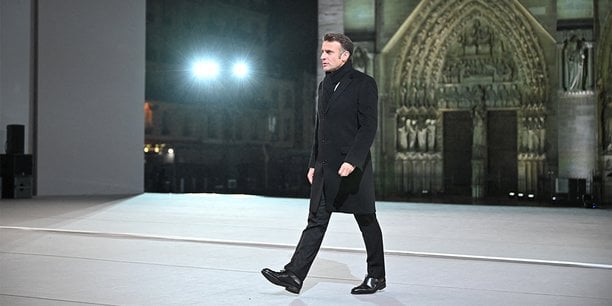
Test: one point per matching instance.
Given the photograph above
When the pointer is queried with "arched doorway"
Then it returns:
(473, 72)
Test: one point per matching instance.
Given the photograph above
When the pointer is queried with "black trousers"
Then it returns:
(312, 237)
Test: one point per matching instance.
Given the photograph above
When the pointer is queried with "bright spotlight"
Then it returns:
(205, 69)
(240, 69)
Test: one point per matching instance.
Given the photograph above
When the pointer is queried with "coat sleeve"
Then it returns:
(367, 122)
(315, 143)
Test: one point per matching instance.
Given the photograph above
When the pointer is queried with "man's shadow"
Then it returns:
(331, 271)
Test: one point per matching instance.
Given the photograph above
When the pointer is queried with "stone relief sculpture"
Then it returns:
(474, 56)
(361, 59)
(487, 71)
(532, 131)
(416, 131)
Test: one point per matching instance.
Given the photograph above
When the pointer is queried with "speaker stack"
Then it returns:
(15, 166)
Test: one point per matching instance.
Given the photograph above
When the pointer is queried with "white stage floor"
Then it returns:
(208, 249)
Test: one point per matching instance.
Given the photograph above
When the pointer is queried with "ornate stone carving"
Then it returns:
(467, 55)
(416, 130)
(488, 31)
(532, 130)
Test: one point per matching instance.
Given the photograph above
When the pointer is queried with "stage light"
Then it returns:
(240, 70)
(206, 69)
(531, 196)
(171, 151)
(521, 195)
(511, 194)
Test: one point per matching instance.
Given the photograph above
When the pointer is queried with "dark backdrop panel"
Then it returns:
(502, 170)
(457, 153)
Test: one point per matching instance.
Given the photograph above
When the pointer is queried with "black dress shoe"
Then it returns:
(284, 279)
(370, 285)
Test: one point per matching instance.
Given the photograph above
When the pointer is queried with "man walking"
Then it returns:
(340, 167)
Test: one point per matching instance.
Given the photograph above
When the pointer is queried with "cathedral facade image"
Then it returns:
(486, 99)
(477, 100)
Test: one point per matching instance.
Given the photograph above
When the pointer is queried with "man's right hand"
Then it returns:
(310, 175)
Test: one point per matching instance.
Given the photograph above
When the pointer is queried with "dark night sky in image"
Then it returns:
(293, 31)
(289, 42)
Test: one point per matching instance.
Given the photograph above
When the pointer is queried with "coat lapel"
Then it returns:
(344, 83)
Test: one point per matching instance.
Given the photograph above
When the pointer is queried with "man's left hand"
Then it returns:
(345, 169)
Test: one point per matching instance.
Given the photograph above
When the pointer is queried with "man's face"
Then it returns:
(332, 56)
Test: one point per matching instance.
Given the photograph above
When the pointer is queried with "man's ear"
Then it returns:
(345, 55)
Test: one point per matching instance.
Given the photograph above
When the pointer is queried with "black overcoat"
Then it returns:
(345, 128)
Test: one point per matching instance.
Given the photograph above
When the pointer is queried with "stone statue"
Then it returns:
(361, 59)
(431, 135)
(478, 132)
(525, 136)
(542, 134)
(575, 58)
(422, 136)
(412, 134)
(404, 95)
(402, 135)
(533, 139)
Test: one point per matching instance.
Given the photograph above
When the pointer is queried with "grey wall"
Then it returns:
(577, 130)
(15, 28)
(89, 126)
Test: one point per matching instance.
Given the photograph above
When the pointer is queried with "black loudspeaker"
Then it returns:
(17, 187)
(15, 165)
(576, 189)
(14, 139)
(16, 172)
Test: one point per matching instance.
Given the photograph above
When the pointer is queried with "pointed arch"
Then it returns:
(439, 23)
(472, 56)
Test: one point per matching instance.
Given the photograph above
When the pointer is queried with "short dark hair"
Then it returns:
(345, 42)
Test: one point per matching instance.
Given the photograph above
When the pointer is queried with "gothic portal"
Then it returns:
(468, 100)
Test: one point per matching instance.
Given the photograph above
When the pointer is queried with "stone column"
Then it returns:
(561, 66)
(576, 136)
(331, 19)
(478, 183)
(590, 66)
(479, 152)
